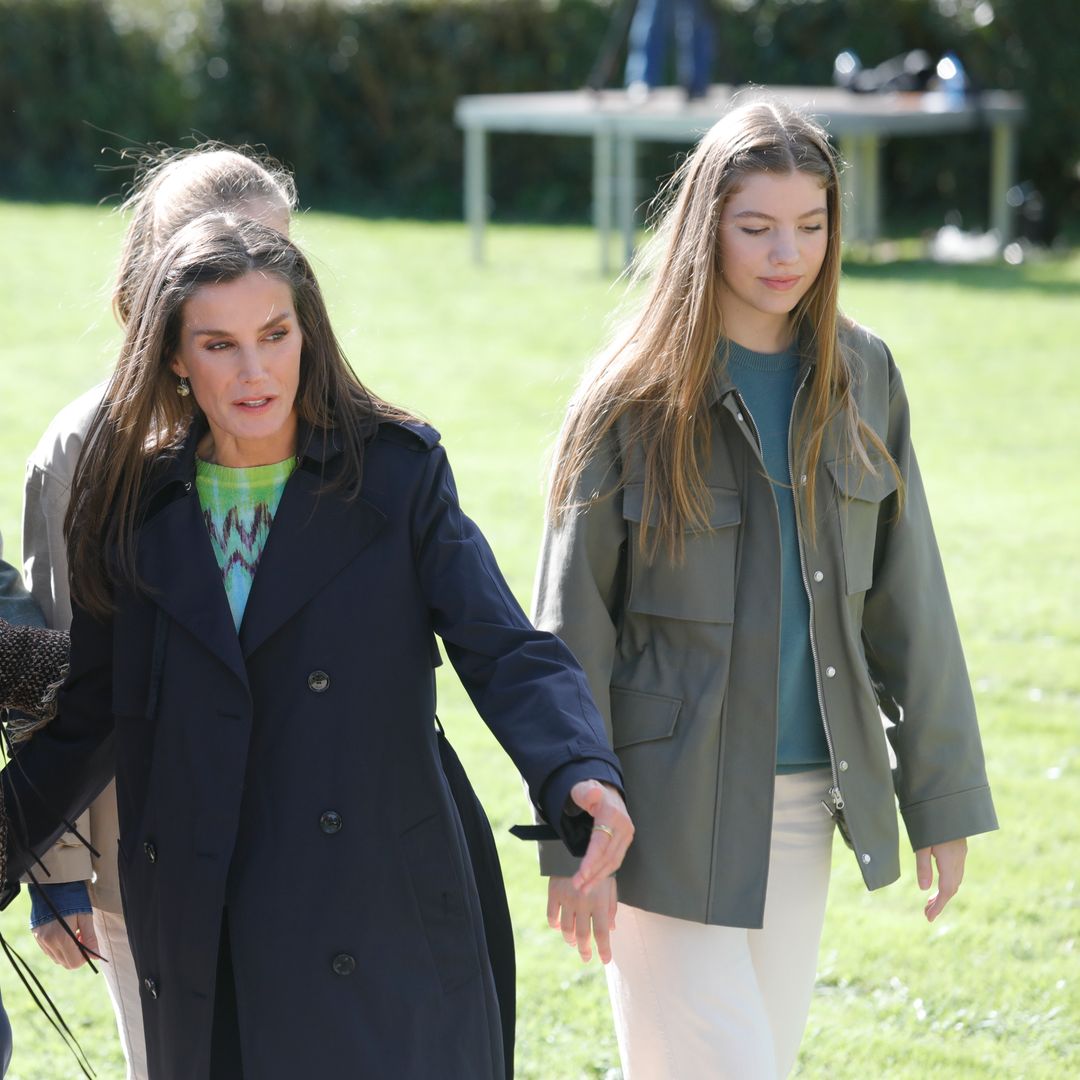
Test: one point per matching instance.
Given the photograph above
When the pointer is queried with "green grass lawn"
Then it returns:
(490, 355)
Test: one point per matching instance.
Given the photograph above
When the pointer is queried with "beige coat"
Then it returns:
(49, 473)
(683, 659)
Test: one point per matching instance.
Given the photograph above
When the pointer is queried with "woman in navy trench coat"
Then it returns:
(297, 886)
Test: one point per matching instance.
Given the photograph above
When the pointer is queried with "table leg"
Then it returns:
(851, 188)
(626, 180)
(476, 194)
(868, 205)
(1002, 178)
(603, 192)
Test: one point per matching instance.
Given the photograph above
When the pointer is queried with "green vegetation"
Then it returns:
(490, 356)
(358, 97)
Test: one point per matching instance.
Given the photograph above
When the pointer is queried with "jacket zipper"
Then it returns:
(834, 792)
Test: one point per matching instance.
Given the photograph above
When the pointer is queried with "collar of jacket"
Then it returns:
(174, 472)
(722, 386)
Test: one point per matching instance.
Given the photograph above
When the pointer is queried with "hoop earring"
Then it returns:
(183, 387)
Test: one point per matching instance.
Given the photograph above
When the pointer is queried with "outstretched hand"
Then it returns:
(949, 858)
(612, 832)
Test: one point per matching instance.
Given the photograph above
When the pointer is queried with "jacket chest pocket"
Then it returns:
(858, 506)
(701, 586)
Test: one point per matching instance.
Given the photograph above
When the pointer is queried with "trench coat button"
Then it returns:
(151, 851)
(318, 681)
(865, 858)
(151, 987)
(830, 673)
(818, 575)
(343, 964)
(843, 766)
(330, 822)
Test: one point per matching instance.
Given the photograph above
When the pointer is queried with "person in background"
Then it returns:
(740, 554)
(16, 606)
(79, 882)
(654, 24)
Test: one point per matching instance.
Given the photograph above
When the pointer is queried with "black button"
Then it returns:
(151, 987)
(151, 851)
(318, 681)
(343, 964)
(330, 822)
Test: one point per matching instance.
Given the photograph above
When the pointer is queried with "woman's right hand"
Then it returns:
(583, 916)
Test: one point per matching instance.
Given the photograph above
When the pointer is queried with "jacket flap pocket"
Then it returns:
(853, 478)
(724, 508)
(638, 717)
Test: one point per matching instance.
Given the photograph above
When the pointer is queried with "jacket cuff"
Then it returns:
(574, 829)
(556, 861)
(47, 902)
(950, 817)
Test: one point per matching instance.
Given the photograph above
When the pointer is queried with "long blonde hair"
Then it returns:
(661, 364)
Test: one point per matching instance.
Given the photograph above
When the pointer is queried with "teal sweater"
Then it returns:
(766, 382)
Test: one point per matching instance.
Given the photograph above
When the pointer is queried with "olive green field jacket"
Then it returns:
(682, 657)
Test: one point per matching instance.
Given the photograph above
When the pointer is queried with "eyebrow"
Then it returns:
(769, 217)
(273, 321)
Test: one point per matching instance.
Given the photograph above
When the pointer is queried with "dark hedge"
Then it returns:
(358, 96)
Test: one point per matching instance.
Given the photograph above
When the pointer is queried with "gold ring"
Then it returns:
(604, 829)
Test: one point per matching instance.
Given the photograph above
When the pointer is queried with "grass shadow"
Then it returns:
(1056, 276)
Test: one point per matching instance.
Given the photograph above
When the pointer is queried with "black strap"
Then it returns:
(534, 832)
(47, 1007)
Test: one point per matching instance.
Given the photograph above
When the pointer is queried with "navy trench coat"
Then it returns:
(289, 776)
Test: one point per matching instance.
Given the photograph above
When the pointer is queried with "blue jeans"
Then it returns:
(653, 23)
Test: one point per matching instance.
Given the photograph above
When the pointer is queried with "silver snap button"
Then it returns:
(802, 479)
(843, 766)
(818, 575)
(187, 485)
(318, 682)
(865, 858)
(739, 417)
(830, 673)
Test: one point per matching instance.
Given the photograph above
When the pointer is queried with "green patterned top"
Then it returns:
(238, 506)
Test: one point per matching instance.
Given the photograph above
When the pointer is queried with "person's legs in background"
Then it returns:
(647, 48)
(694, 46)
(123, 985)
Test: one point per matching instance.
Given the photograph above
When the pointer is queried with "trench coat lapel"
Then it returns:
(314, 536)
(176, 561)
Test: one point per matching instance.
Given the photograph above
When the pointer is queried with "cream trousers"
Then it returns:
(697, 1002)
(123, 983)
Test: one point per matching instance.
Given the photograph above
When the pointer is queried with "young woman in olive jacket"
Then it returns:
(262, 554)
(740, 554)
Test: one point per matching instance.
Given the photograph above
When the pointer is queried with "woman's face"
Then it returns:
(240, 344)
(773, 238)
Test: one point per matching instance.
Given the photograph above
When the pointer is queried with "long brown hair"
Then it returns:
(142, 416)
(661, 364)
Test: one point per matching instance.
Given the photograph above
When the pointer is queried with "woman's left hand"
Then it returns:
(949, 858)
(611, 835)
